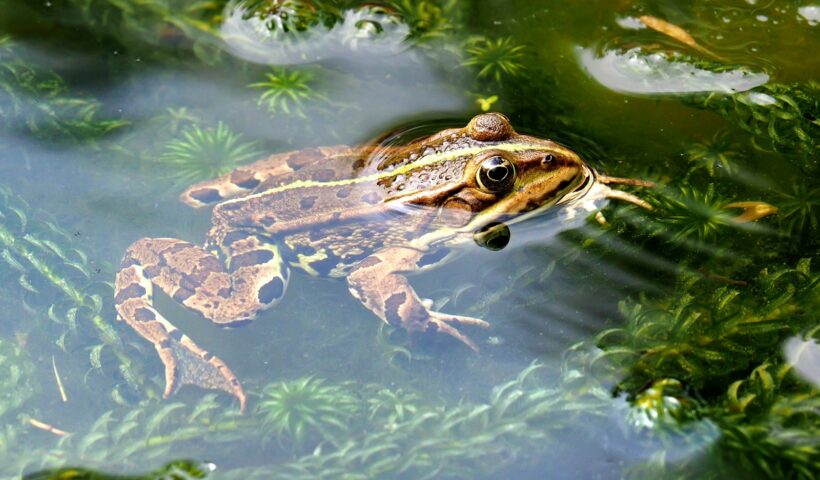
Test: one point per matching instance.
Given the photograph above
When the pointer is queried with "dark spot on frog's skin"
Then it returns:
(144, 315)
(271, 291)
(207, 356)
(372, 198)
(248, 259)
(391, 308)
(244, 179)
(224, 292)
(235, 236)
(176, 334)
(323, 175)
(306, 203)
(182, 294)
(369, 262)
(206, 195)
(305, 250)
(433, 257)
(304, 157)
(316, 235)
(128, 261)
(343, 192)
(188, 282)
(206, 265)
(153, 271)
(358, 164)
(323, 267)
(135, 290)
(268, 220)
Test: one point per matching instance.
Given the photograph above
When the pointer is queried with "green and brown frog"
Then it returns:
(371, 215)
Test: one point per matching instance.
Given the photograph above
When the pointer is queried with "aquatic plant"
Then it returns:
(204, 153)
(783, 118)
(719, 153)
(306, 409)
(40, 259)
(287, 91)
(429, 20)
(127, 439)
(37, 101)
(495, 59)
(17, 378)
(704, 332)
(800, 208)
(691, 213)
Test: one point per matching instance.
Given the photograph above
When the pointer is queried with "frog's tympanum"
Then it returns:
(371, 215)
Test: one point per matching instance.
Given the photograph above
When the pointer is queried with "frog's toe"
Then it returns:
(188, 364)
(441, 323)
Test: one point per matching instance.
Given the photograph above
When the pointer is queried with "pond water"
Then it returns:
(676, 342)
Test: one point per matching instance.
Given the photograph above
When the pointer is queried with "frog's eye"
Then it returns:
(495, 175)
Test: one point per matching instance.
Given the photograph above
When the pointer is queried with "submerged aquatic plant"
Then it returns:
(204, 153)
(307, 408)
(17, 378)
(497, 58)
(689, 213)
(704, 333)
(800, 208)
(287, 91)
(429, 20)
(38, 101)
(783, 118)
(42, 260)
(719, 153)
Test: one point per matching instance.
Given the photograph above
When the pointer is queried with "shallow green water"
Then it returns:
(672, 343)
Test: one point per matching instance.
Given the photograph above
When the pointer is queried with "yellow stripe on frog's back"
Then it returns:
(427, 160)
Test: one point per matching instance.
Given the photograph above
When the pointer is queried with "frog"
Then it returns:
(372, 215)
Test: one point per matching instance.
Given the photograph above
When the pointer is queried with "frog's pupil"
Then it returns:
(497, 173)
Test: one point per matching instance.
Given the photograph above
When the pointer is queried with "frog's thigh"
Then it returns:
(256, 278)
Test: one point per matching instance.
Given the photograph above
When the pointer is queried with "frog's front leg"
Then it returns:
(379, 284)
(255, 279)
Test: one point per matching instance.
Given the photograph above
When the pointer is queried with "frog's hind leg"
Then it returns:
(199, 280)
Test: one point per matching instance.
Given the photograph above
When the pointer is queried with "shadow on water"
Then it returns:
(678, 342)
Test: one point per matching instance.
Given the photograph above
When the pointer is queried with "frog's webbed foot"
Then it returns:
(185, 362)
(377, 282)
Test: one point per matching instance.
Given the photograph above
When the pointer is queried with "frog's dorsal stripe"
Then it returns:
(425, 161)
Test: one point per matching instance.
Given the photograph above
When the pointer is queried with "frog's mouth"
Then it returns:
(566, 193)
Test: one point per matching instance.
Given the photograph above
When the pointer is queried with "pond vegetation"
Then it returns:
(680, 342)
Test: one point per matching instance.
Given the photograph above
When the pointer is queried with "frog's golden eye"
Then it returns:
(495, 175)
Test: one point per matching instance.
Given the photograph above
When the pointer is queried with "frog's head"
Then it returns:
(509, 176)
